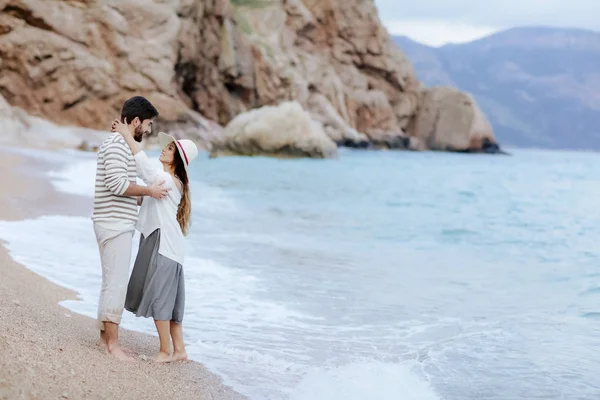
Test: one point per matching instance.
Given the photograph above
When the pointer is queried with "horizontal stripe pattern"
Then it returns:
(115, 170)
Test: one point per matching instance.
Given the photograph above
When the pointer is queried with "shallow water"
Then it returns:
(382, 275)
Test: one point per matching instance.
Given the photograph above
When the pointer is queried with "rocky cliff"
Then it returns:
(204, 62)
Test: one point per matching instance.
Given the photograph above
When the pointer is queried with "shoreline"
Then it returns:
(48, 351)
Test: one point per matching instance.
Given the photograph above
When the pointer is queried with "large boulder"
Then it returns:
(286, 130)
(452, 121)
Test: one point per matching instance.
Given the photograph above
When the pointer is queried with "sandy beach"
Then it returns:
(48, 352)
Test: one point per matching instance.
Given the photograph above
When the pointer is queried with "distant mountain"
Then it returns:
(540, 87)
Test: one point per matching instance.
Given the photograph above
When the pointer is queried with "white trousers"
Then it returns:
(115, 256)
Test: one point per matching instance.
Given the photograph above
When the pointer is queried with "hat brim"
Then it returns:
(164, 140)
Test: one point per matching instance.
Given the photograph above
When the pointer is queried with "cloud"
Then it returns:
(441, 21)
(438, 33)
(573, 13)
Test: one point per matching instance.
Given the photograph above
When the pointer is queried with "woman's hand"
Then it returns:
(120, 127)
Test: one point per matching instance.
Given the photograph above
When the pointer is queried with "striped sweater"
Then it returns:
(114, 172)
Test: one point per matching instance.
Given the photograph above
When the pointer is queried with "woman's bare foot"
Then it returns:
(180, 356)
(119, 354)
(163, 358)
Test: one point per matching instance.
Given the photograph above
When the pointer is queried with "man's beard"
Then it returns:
(138, 133)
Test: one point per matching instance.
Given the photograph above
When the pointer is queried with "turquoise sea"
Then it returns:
(381, 275)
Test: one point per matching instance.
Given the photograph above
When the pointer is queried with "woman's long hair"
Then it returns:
(184, 210)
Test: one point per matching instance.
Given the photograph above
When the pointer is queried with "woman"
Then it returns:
(156, 287)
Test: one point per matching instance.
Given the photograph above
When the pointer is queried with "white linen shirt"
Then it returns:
(155, 214)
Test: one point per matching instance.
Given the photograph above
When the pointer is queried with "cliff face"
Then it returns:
(336, 59)
(75, 62)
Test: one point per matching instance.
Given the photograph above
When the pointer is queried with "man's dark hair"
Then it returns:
(138, 106)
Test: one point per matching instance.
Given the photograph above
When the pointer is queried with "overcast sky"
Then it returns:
(437, 22)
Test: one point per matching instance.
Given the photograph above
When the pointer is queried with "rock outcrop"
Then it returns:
(76, 61)
(451, 120)
(336, 59)
(285, 130)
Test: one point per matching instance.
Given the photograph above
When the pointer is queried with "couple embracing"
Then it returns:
(156, 286)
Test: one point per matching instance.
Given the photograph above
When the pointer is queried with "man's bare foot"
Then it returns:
(180, 356)
(102, 342)
(163, 358)
(117, 352)
(129, 352)
(102, 346)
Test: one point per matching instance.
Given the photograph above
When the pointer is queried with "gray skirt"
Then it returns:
(156, 287)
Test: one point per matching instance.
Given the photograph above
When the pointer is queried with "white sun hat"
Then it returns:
(186, 148)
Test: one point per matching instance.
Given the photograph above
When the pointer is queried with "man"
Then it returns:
(115, 214)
